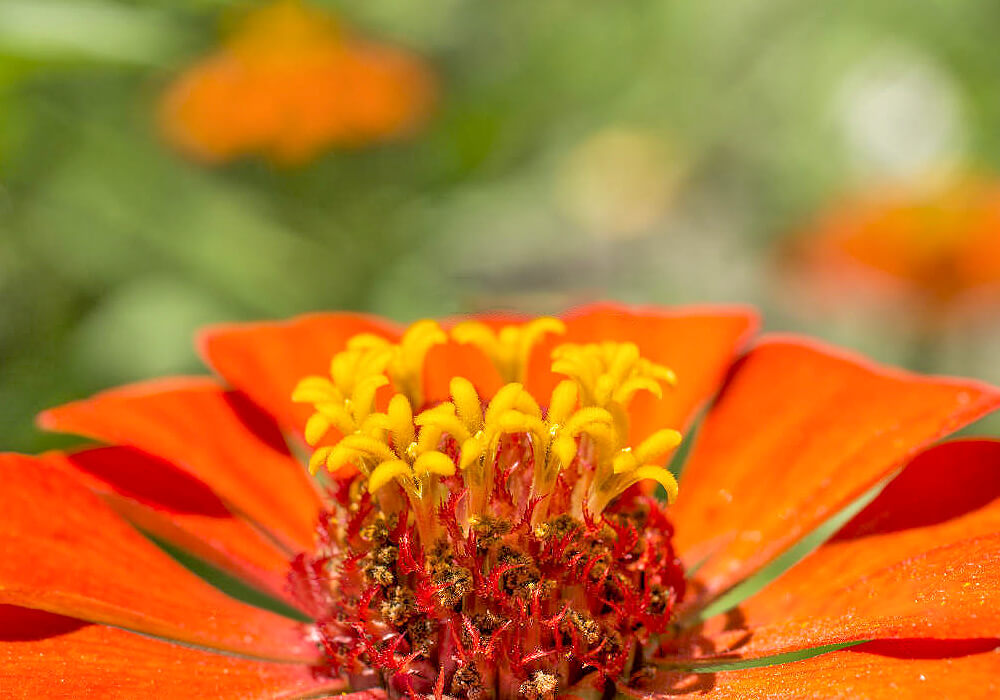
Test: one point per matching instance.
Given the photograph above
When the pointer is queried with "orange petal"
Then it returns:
(68, 553)
(798, 433)
(877, 671)
(266, 360)
(698, 343)
(215, 435)
(451, 359)
(161, 499)
(46, 655)
(448, 360)
(950, 592)
(947, 495)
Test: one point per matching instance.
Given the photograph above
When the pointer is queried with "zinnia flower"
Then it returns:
(290, 82)
(930, 248)
(485, 524)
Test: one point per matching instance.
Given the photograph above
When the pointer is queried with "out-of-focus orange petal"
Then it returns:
(453, 359)
(345, 95)
(933, 244)
(800, 431)
(948, 494)
(216, 435)
(289, 83)
(216, 111)
(66, 552)
(164, 501)
(698, 343)
(886, 670)
(266, 360)
(51, 656)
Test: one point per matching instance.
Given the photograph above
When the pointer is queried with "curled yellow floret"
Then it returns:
(405, 364)
(345, 401)
(393, 450)
(582, 432)
(609, 375)
(510, 347)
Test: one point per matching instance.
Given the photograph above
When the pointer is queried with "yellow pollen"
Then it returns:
(510, 348)
(411, 451)
(584, 430)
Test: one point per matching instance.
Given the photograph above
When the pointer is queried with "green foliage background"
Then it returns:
(113, 249)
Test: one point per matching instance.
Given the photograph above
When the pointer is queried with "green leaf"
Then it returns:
(743, 664)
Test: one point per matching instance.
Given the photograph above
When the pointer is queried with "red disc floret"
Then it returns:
(496, 603)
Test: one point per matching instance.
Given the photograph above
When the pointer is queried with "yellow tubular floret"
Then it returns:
(368, 354)
(363, 396)
(517, 422)
(316, 390)
(463, 419)
(388, 447)
(609, 371)
(587, 415)
(345, 400)
(374, 448)
(510, 348)
(509, 397)
(407, 367)
(434, 463)
(468, 406)
(657, 445)
(659, 474)
(444, 419)
(320, 423)
(319, 459)
(609, 375)
(563, 402)
(428, 441)
(400, 415)
(586, 418)
(606, 490)
(386, 472)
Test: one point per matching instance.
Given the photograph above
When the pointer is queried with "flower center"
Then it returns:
(493, 547)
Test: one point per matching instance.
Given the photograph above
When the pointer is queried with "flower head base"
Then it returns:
(488, 546)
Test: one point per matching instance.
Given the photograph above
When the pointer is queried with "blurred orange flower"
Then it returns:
(931, 247)
(290, 82)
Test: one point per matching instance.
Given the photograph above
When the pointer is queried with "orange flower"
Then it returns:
(288, 83)
(932, 247)
(483, 529)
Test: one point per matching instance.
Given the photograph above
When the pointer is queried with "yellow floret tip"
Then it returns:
(609, 375)
(468, 405)
(403, 362)
(386, 472)
(661, 475)
(610, 372)
(509, 349)
(583, 430)
(345, 401)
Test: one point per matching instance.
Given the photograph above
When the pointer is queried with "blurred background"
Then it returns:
(170, 163)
